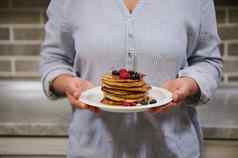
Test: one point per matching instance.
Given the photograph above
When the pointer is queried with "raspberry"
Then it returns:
(123, 70)
(124, 74)
(125, 103)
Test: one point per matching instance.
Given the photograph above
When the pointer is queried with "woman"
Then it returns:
(174, 42)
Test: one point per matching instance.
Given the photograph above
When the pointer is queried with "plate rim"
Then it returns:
(124, 108)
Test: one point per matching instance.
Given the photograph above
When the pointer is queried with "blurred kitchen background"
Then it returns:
(33, 127)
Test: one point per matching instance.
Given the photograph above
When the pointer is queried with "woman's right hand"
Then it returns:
(72, 87)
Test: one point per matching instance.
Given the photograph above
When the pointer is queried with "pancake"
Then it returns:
(124, 84)
(143, 88)
(124, 87)
(118, 99)
(120, 92)
(128, 96)
(110, 102)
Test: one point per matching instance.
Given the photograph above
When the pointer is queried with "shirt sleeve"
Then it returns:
(57, 54)
(205, 62)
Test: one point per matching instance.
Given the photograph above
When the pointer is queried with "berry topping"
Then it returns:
(123, 70)
(125, 103)
(153, 101)
(131, 72)
(136, 76)
(115, 72)
(124, 74)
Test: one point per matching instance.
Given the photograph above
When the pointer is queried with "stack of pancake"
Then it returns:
(118, 91)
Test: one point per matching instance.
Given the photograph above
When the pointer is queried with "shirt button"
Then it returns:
(130, 35)
(129, 54)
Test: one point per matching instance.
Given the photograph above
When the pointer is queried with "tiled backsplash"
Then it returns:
(21, 34)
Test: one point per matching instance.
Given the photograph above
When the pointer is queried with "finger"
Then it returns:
(73, 90)
(97, 110)
(161, 109)
(168, 85)
(85, 85)
(158, 109)
(179, 95)
(94, 109)
(171, 86)
(175, 97)
(82, 105)
(77, 94)
(76, 103)
(90, 85)
(164, 108)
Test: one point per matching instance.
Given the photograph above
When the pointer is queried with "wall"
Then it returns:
(21, 33)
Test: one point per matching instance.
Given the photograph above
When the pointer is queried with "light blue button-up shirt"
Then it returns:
(163, 39)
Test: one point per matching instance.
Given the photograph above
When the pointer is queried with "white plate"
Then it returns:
(94, 96)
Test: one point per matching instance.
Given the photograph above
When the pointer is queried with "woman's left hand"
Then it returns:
(181, 88)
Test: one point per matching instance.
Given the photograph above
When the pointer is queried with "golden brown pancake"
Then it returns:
(128, 96)
(143, 88)
(124, 84)
(116, 90)
(120, 92)
(110, 102)
(118, 99)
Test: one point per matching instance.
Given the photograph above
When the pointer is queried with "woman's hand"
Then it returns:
(72, 87)
(181, 88)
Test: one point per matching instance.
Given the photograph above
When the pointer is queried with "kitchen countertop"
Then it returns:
(24, 111)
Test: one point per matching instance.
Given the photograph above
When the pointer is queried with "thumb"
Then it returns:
(74, 91)
(76, 94)
(169, 85)
(179, 95)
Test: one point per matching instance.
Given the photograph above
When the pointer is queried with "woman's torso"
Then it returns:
(160, 35)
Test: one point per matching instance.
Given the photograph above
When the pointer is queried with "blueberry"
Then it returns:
(132, 76)
(136, 76)
(131, 72)
(153, 101)
(115, 72)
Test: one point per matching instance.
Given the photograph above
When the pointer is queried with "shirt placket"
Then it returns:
(131, 120)
(130, 45)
